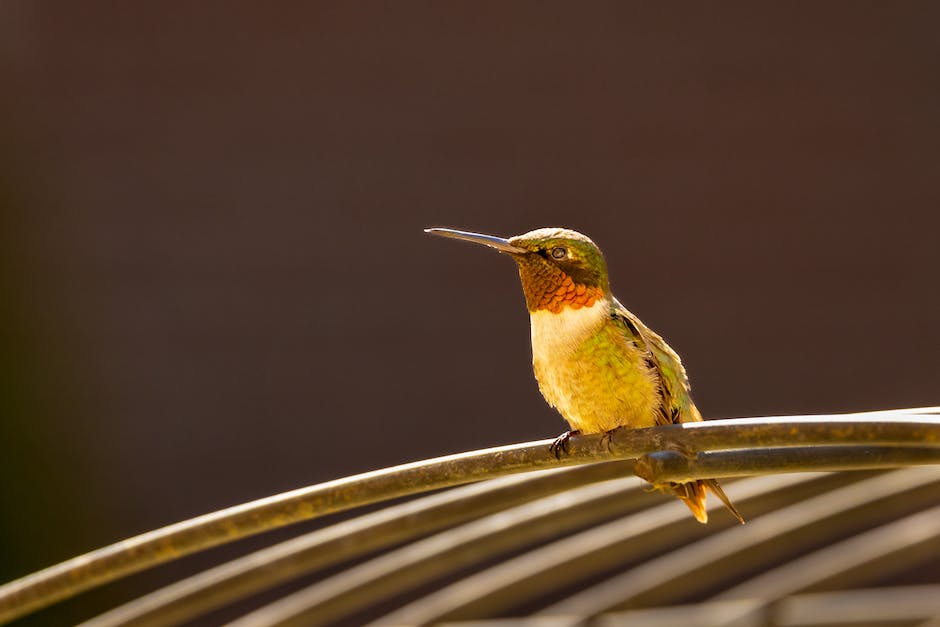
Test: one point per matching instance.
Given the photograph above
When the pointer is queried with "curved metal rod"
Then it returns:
(201, 593)
(546, 569)
(551, 567)
(65, 580)
(374, 581)
(32, 592)
(194, 596)
(187, 599)
(702, 565)
(669, 466)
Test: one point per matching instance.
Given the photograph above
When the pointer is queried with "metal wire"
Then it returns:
(203, 592)
(417, 563)
(101, 566)
(685, 571)
(670, 466)
(904, 428)
(899, 544)
(627, 540)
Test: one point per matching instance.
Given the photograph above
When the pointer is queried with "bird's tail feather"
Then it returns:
(693, 495)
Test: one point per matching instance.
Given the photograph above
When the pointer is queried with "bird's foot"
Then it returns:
(687, 452)
(561, 443)
(605, 439)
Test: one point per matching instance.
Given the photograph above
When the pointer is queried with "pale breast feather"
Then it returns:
(558, 334)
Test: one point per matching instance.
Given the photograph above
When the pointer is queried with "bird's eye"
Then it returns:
(559, 252)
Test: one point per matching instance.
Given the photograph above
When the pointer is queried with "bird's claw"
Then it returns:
(682, 449)
(561, 443)
(605, 439)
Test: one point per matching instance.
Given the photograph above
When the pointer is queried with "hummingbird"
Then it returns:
(595, 361)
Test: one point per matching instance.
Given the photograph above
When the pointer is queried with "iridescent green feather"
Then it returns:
(677, 403)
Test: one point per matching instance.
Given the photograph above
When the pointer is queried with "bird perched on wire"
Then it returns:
(596, 362)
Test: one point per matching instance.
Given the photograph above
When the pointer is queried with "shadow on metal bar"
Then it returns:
(727, 448)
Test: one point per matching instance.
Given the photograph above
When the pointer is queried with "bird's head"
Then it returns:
(559, 268)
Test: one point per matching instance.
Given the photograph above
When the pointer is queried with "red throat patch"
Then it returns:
(554, 290)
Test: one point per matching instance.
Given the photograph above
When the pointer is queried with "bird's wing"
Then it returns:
(677, 403)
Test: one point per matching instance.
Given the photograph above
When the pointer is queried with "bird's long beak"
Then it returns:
(499, 243)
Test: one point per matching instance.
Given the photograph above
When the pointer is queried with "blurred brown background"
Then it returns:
(215, 286)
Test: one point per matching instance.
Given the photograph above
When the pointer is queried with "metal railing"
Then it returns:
(571, 540)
